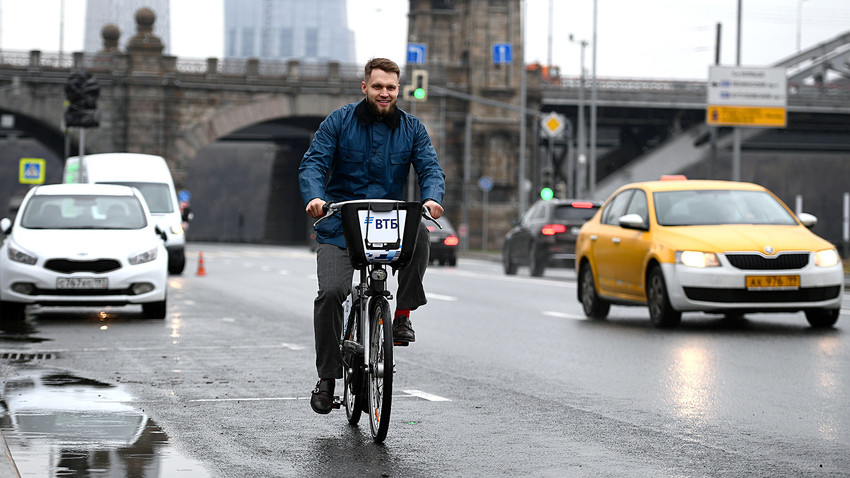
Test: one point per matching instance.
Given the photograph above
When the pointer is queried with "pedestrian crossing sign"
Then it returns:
(31, 171)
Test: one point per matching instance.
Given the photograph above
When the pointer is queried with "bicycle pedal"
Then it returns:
(401, 344)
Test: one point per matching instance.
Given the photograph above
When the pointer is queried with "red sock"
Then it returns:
(400, 312)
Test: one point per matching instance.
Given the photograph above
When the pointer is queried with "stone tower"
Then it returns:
(468, 42)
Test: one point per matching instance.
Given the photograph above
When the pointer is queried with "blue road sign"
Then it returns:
(31, 171)
(184, 196)
(502, 53)
(416, 53)
(485, 183)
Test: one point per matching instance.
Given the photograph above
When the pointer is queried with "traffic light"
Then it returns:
(81, 91)
(546, 191)
(418, 89)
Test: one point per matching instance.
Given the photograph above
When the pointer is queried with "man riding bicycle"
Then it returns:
(364, 151)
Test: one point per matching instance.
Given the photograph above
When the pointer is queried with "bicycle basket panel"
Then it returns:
(383, 233)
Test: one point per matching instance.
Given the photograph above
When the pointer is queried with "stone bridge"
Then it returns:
(154, 103)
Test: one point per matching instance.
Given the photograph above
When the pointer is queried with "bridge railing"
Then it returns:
(832, 95)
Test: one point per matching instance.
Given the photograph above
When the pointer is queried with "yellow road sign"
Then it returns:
(553, 124)
(31, 171)
(746, 116)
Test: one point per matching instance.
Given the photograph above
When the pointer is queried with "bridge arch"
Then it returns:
(219, 123)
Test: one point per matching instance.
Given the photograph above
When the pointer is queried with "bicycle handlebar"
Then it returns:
(332, 208)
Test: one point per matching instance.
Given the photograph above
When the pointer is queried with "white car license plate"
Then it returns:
(82, 283)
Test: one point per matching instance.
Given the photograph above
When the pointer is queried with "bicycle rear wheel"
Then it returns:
(380, 381)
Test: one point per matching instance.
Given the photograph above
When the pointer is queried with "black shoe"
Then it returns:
(403, 330)
(322, 400)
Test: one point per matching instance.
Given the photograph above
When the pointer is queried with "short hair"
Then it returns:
(384, 64)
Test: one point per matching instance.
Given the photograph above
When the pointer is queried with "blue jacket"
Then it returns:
(355, 156)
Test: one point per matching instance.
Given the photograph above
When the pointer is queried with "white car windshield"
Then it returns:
(720, 206)
(83, 212)
(156, 195)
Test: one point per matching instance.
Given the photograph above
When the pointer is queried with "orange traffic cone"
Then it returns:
(201, 270)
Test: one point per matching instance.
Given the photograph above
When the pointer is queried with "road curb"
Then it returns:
(7, 463)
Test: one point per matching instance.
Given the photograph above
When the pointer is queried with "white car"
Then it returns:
(82, 245)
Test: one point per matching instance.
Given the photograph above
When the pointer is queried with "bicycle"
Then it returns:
(379, 233)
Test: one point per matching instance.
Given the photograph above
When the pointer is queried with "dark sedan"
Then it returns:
(444, 242)
(546, 235)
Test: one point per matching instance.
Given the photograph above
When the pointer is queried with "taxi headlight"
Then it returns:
(826, 258)
(19, 255)
(177, 229)
(143, 257)
(697, 259)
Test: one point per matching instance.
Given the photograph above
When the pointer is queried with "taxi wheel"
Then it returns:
(662, 314)
(822, 318)
(594, 306)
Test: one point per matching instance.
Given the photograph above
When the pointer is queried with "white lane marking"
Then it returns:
(409, 394)
(505, 278)
(284, 345)
(562, 315)
(447, 298)
(427, 396)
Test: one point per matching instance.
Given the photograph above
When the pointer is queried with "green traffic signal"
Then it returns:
(419, 93)
(546, 194)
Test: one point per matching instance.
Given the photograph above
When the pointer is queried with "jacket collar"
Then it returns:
(361, 112)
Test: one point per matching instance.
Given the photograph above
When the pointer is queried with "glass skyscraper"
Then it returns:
(123, 14)
(315, 30)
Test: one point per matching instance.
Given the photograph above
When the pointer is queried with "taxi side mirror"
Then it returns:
(633, 221)
(807, 219)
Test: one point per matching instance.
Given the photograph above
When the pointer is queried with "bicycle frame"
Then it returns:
(378, 234)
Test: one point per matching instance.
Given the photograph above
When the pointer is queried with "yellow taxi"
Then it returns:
(724, 247)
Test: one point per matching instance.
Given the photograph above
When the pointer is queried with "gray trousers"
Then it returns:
(336, 275)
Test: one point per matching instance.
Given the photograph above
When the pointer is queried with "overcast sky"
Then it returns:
(636, 38)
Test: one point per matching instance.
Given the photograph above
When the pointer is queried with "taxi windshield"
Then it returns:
(719, 206)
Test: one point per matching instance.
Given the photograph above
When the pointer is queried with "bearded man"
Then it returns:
(364, 151)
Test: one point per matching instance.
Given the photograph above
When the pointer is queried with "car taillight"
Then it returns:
(552, 229)
(581, 204)
(451, 241)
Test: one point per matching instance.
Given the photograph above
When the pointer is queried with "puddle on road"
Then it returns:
(56, 425)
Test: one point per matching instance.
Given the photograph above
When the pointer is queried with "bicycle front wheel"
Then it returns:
(352, 369)
(380, 382)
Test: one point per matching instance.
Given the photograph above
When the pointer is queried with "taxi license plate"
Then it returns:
(773, 282)
(82, 283)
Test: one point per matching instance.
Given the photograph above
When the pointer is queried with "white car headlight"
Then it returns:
(697, 259)
(826, 258)
(143, 257)
(19, 255)
(177, 229)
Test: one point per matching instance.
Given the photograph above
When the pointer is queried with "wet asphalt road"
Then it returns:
(506, 378)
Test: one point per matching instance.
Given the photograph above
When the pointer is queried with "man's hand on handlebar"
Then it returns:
(433, 207)
(314, 207)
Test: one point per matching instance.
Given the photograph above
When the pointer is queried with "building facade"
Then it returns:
(288, 29)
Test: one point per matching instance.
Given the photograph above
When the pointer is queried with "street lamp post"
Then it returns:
(582, 140)
(799, 22)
